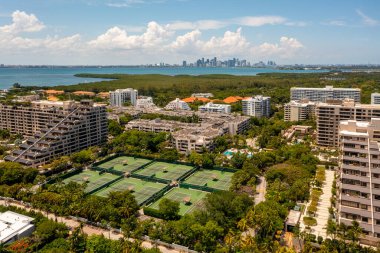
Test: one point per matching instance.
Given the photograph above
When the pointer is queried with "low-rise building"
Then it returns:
(202, 95)
(198, 140)
(27, 98)
(158, 125)
(145, 103)
(14, 226)
(257, 106)
(299, 110)
(215, 108)
(177, 105)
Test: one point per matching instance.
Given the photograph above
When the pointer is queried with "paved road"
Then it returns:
(261, 190)
(87, 229)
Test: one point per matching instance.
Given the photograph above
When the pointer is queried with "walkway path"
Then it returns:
(87, 229)
(261, 190)
(322, 214)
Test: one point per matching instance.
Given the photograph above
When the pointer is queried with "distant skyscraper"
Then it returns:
(184, 64)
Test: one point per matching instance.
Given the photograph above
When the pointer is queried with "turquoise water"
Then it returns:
(65, 75)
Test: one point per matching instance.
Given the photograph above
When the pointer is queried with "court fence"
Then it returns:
(198, 187)
(64, 175)
(156, 196)
(151, 179)
(101, 187)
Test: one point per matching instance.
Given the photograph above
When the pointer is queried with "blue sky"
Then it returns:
(152, 31)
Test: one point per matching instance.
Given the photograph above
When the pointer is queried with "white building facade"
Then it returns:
(121, 96)
(215, 108)
(145, 103)
(375, 98)
(323, 94)
(177, 105)
(257, 106)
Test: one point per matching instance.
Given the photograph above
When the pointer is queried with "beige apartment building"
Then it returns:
(330, 114)
(359, 182)
(187, 137)
(299, 110)
(54, 128)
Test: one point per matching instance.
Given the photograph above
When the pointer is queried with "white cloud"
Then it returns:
(231, 44)
(154, 42)
(337, 22)
(124, 3)
(23, 22)
(259, 20)
(117, 38)
(250, 21)
(367, 20)
(287, 48)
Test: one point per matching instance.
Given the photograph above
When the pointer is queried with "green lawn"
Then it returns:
(179, 194)
(93, 179)
(162, 170)
(220, 180)
(124, 163)
(142, 190)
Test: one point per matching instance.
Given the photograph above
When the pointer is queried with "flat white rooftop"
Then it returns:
(12, 223)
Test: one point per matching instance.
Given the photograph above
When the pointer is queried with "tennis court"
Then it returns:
(162, 170)
(189, 199)
(93, 179)
(124, 163)
(220, 180)
(142, 190)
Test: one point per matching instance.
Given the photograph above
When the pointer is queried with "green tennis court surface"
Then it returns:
(142, 190)
(124, 163)
(93, 179)
(162, 170)
(220, 180)
(189, 199)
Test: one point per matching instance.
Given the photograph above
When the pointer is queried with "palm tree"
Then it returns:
(229, 240)
(243, 224)
(354, 232)
(331, 229)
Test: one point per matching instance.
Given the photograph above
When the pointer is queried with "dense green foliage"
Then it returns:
(277, 85)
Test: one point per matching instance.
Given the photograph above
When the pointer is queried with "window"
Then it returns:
(350, 204)
(365, 219)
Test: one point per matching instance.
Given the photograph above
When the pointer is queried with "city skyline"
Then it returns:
(131, 32)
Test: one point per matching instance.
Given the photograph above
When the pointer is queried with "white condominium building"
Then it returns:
(359, 187)
(217, 108)
(299, 110)
(145, 103)
(202, 95)
(375, 98)
(323, 94)
(257, 106)
(177, 104)
(121, 96)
